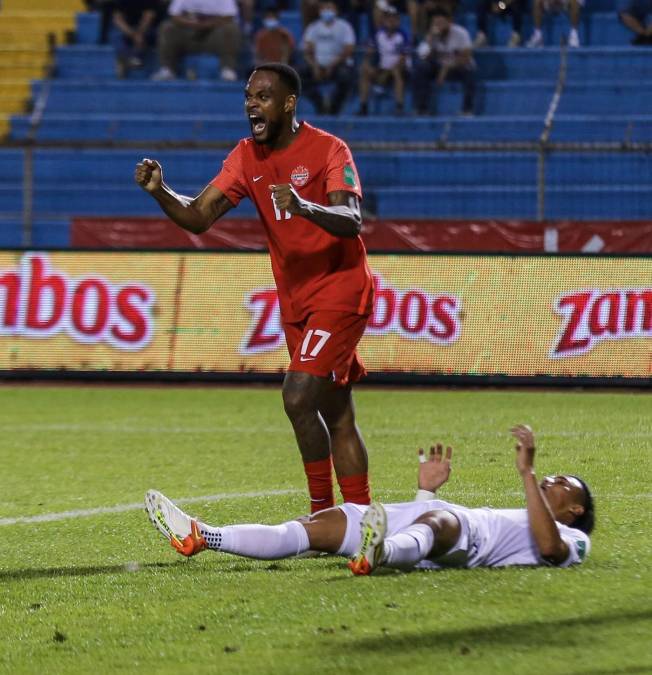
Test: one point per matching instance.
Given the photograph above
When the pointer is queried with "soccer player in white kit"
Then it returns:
(428, 533)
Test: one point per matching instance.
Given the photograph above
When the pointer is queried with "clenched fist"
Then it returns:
(285, 198)
(149, 175)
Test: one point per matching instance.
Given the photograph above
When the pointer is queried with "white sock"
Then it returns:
(536, 33)
(267, 542)
(409, 546)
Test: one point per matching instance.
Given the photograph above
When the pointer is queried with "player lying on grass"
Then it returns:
(428, 533)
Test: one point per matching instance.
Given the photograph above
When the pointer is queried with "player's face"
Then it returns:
(562, 493)
(268, 106)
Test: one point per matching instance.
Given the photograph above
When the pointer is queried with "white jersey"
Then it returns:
(489, 537)
(390, 47)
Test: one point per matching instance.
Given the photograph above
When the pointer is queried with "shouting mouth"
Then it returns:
(258, 124)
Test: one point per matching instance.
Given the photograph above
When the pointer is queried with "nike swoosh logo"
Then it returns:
(307, 358)
(257, 178)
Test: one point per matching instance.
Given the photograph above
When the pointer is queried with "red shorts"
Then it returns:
(324, 343)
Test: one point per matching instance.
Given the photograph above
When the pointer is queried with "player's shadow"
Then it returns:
(81, 571)
(554, 632)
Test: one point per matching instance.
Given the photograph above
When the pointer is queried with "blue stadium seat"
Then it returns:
(487, 201)
(11, 233)
(618, 202)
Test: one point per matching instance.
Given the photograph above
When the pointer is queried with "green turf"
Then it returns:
(104, 594)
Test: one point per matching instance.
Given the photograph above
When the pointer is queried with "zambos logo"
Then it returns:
(591, 316)
(414, 314)
(37, 302)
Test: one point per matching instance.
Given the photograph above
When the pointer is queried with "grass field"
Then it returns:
(103, 593)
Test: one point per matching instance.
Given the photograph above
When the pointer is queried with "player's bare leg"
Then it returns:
(302, 393)
(347, 446)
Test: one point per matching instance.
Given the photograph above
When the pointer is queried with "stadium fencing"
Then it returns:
(432, 180)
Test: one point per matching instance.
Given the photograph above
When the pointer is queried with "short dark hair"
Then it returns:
(585, 522)
(286, 74)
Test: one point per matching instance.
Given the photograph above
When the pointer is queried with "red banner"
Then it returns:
(382, 235)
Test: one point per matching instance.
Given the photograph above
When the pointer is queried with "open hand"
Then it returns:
(434, 469)
(149, 175)
(524, 447)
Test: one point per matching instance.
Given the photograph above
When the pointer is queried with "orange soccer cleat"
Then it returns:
(373, 528)
(176, 526)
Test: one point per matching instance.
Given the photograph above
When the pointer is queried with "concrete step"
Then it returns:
(20, 71)
(69, 6)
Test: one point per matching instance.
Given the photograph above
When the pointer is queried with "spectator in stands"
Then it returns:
(445, 53)
(273, 42)
(386, 61)
(204, 26)
(500, 8)
(573, 7)
(134, 21)
(635, 16)
(328, 46)
(105, 9)
(351, 10)
(421, 11)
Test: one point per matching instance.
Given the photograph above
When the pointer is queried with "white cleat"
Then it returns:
(373, 528)
(176, 526)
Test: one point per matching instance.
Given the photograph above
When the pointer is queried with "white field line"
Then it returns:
(122, 508)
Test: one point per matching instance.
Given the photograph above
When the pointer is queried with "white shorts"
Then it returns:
(400, 516)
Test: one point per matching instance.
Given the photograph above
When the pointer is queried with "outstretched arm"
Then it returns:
(434, 470)
(341, 219)
(193, 214)
(551, 546)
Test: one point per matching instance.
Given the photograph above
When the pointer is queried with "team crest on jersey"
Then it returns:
(299, 176)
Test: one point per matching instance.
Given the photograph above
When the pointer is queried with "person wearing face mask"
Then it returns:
(444, 54)
(328, 46)
(273, 42)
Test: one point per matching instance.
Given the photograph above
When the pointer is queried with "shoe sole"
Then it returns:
(155, 515)
(373, 528)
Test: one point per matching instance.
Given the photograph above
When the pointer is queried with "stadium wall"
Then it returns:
(569, 236)
(438, 318)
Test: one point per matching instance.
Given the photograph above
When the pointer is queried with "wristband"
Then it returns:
(424, 495)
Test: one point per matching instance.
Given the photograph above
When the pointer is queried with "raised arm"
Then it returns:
(195, 214)
(552, 547)
(341, 219)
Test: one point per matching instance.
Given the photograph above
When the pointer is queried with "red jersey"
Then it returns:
(314, 270)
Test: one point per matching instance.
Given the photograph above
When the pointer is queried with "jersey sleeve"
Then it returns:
(579, 546)
(341, 173)
(230, 180)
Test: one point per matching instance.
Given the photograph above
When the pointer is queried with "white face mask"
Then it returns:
(327, 15)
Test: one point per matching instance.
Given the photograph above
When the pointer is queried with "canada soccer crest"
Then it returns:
(299, 176)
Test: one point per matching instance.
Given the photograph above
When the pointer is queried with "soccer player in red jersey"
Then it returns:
(305, 186)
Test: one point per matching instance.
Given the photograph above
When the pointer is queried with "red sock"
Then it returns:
(355, 489)
(320, 484)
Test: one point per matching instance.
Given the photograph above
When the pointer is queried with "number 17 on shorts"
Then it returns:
(309, 347)
(325, 345)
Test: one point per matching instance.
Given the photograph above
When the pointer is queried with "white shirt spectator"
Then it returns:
(329, 39)
(445, 49)
(203, 7)
(390, 47)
